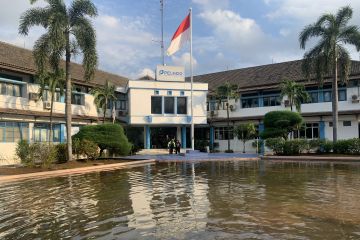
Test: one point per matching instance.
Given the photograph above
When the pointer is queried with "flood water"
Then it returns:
(208, 200)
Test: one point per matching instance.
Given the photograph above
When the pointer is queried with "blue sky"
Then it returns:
(228, 34)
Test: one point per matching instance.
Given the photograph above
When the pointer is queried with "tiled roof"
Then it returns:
(261, 76)
(20, 59)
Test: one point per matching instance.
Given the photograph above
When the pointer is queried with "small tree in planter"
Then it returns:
(245, 132)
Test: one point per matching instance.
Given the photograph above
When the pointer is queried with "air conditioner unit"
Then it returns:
(122, 113)
(232, 107)
(355, 98)
(47, 105)
(33, 96)
(286, 103)
(213, 113)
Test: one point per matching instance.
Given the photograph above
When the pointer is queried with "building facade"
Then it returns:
(160, 109)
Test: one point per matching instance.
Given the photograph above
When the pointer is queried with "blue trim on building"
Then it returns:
(322, 129)
(62, 133)
(260, 100)
(212, 138)
(183, 136)
(147, 137)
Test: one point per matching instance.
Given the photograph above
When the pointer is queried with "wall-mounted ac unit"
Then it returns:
(47, 105)
(355, 98)
(232, 107)
(286, 103)
(122, 113)
(33, 96)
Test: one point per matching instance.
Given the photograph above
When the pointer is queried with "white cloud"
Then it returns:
(184, 60)
(212, 4)
(146, 72)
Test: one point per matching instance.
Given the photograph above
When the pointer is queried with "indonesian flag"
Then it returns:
(181, 36)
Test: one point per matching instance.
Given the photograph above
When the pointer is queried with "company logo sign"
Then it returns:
(170, 73)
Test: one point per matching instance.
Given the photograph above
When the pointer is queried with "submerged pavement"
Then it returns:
(196, 156)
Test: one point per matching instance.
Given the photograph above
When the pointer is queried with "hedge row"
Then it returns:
(280, 146)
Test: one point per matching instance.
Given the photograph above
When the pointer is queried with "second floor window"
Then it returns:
(271, 101)
(10, 89)
(250, 102)
(169, 105)
(223, 133)
(77, 99)
(156, 105)
(181, 105)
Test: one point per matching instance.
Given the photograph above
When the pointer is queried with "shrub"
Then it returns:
(61, 153)
(275, 144)
(280, 124)
(106, 136)
(201, 145)
(42, 153)
(23, 151)
(89, 149)
(295, 146)
(76, 147)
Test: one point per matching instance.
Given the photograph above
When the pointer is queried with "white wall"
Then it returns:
(140, 93)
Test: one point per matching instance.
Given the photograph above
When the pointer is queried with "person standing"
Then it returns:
(178, 146)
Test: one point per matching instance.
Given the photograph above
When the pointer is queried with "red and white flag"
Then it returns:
(181, 36)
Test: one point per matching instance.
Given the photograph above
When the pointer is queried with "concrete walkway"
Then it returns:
(197, 157)
(74, 171)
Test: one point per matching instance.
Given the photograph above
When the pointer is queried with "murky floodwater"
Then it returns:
(210, 200)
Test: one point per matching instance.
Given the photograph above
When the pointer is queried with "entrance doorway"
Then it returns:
(160, 136)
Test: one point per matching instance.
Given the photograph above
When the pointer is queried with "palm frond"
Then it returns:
(344, 64)
(343, 16)
(80, 9)
(33, 17)
(308, 32)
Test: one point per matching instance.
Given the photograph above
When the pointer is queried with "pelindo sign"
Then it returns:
(170, 73)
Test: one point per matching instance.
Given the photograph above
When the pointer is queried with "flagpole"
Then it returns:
(192, 78)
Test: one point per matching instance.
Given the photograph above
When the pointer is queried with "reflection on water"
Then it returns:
(210, 200)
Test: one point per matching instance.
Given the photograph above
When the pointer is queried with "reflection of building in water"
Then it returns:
(168, 201)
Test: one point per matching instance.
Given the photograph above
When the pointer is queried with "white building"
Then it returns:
(155, 110)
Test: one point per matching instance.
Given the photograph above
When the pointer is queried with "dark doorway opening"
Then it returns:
(160, 136)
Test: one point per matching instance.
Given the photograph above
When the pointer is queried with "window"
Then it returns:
(10, 89)
(314, 97)
(330, 124)
(250, 102)
(342, 95)
(14, 131)
(78, 99)
(347, 123)
(169, 104)
(223, 133)
(42, 132)
(182, 93)
(308, 131)
(327, 96)
(156, 105)
(156, 92)
(120, 105)
(272, 101)
(181, 105)
(169, 93)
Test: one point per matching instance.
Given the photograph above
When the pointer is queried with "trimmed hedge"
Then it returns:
(106, 136)
(280, 124)
(280, 146)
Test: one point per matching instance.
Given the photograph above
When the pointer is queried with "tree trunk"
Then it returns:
(51, 118)
(68, 112)
(335, 102)
(228, 123)
(104, 110)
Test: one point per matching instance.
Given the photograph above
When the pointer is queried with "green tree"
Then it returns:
(329, 53)
(68, 31)
(245, 132)
(103, 95)
(106, 136)
(50, 83)
(295, 93)
(226, 92)
(280, 124)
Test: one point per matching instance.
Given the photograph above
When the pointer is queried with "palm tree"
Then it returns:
(329, 54)
(245, 132)
(51, 83)
(227, 91)
(68, 31)
(103, 95)
(295, 93)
